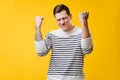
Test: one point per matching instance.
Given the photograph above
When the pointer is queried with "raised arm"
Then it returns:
(42, 45)
(84, 21)
(86, 41)
(38, 34)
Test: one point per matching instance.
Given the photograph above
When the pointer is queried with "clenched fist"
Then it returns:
(83, 16)
(39, 20)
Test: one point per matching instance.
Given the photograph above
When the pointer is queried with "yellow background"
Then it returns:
(18, 58)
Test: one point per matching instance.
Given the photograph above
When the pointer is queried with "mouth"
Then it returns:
(63, 25)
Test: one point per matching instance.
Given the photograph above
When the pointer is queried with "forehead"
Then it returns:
(61, 14)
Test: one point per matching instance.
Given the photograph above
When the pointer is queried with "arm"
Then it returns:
(40, 44)
(38, 35)
(86, 41)
(85, 30)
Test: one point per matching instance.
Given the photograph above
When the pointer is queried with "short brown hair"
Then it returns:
(60, 7)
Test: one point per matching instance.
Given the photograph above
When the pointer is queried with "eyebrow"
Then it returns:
(62, 18)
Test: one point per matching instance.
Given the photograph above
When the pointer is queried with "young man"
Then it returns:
(69, 45)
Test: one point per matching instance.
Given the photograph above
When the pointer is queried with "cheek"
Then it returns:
(58, 23)
(67, 21)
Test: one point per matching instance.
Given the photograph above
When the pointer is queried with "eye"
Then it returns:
(58, 19)
(64, 18)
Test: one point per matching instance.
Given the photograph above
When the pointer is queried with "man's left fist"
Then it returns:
(83, 16)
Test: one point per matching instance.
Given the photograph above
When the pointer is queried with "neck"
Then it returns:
(70, 28)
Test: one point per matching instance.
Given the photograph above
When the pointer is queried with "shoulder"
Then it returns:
(55, 32)
(52, 33)
(77, 30)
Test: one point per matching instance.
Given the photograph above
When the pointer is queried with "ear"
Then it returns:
(70, 16)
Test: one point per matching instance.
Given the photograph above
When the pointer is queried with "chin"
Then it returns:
(64, 29)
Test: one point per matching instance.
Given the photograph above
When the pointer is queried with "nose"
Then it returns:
(62, 22)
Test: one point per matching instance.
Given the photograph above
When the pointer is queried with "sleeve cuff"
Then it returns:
(86, 42)
(40, 46)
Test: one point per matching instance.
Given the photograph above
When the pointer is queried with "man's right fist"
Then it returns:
(39, 20)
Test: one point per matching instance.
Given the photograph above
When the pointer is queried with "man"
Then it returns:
(69, 45)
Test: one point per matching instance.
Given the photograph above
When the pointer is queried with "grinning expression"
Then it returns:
(64, 20)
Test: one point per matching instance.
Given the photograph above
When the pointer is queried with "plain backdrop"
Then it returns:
(18, 57)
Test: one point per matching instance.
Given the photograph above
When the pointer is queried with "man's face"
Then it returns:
(64, 20)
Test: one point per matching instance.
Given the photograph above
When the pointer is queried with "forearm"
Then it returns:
(85, 29)
(86, 41)
(84, 21)
(38, 35)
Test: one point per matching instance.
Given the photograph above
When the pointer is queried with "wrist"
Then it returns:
(84, 22)
(37, 27)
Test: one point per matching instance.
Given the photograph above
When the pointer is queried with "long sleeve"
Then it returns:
(43, 47)
(87, 45)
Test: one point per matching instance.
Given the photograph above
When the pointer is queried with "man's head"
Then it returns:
(61, 7)
(63, 17)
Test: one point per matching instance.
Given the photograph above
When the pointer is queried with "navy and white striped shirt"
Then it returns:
(68, 51)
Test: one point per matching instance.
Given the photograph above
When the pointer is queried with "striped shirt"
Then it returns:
(68, 51)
